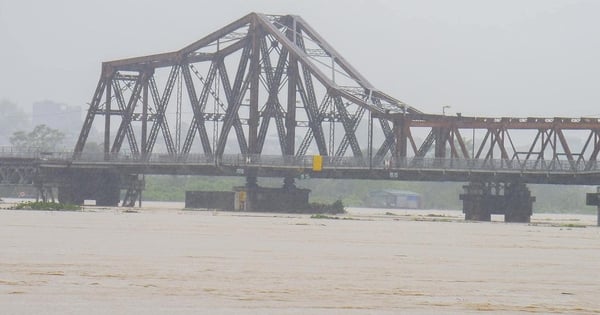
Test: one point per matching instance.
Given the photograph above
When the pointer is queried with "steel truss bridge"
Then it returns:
(262, 96)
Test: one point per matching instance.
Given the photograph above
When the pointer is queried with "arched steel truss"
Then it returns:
(260, 76)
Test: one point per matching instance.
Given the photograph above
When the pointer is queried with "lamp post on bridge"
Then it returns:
(444, 109)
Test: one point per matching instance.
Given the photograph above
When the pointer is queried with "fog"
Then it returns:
(492, 58)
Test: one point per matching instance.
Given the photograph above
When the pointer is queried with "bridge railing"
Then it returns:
(23, 153)
(304, 162)
(494, 165)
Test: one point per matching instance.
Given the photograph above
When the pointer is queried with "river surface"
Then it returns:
(161, 259)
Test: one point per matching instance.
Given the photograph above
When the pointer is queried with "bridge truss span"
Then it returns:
(530, 144)
(263, 84)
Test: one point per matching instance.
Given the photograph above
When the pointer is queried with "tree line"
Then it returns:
(14, 128)
(353, 193)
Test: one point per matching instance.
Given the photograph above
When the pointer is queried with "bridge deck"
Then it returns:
(413, 169)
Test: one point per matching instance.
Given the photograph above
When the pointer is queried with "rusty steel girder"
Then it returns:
(510, 139)
(258, 69)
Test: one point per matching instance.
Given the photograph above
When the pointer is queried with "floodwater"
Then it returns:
(164, 260)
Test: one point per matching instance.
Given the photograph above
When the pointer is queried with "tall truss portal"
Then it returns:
(263, 84)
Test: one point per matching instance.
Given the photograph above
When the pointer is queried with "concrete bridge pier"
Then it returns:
(519, 203)
(593, 199)
(482, 199)
(45, 193)
(107, 190)
(100, 185)
(288, 198)
(289, 183)
(134, 185)
(477, 202)
(251, 194)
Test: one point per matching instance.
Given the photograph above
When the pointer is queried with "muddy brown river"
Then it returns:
(164, 260)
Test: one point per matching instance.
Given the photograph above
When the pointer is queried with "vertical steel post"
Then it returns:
(107, 119)
(290, 116)
(401, 127)
(370, 139)
(405, 130)
(140, 190)
(441, 138)
(473, 146)
(254, 86)
(145, 118)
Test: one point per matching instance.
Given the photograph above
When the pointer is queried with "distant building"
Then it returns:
(65, 118)
(56, 115)
(389, 198)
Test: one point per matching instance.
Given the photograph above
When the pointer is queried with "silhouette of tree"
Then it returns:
(42, 138)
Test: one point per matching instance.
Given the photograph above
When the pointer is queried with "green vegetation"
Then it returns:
(321, 208)
(432, 218)
(572, 225)
(334, 208)
(433, 215)
(41, 137)
(353, 193)
(40, 205)
(329, 217)
(561, 199)
(323, 216)
(173, 188)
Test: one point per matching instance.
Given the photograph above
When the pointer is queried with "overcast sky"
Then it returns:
(484, 58)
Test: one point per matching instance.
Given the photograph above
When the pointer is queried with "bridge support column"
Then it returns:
(100, 185)
(70, 193)
(107, 190)
(402, 132)
(593, 199)
(519, 203)
(482, 199)
(45, 190)
(476, 202)
(288, 183)
(441, 139)
(45, 193)
(251, 192)
(134, 185)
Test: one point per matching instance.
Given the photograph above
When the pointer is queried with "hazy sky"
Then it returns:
(485, 58)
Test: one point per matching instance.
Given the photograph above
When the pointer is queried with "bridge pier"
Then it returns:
(519, 203)
(513, 200)
(69, 194)
(251, 187)
(45, 193)
(477, 202)
(134, 185)
(288, 183)
(288, 198)
(107, 190)
(102, 186)
(593, 199)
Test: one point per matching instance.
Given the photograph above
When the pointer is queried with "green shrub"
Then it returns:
(322, 216)
(333, 208)
(41, 205)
